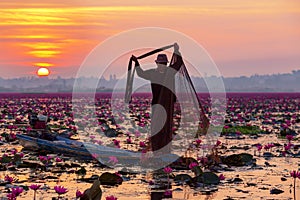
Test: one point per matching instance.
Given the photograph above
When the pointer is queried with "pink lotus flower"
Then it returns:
(14, 151)
(285, 126)
(289, 137)
(142, 144)
(42, 158)
(221, 177)
(141, 124)
(99, 142)
(13, 136)
(288, 147)
(111, 198)
(34, 187)
(117, 143)
(17, 191)
(268, 146)
(295, 174)
(259, 147)
(60, 189)
(238, 132)
(203, 160)
(198, 142)
(8, 179)
(271, 145)
(151, 182)
(168, 193)
(128, 140)
(45, 158)
(226, 127)
(168, 170)
(192, 165)
(11, 196)
(79, 194)
(14, 193)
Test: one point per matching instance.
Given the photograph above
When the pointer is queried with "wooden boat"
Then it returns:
(77, 149)
(88, 151)
(57, 146)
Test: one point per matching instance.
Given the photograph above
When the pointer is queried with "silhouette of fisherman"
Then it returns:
(162, 81)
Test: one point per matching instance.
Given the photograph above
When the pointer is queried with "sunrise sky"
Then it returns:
(244, 37)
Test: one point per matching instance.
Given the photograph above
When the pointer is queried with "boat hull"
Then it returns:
(56, 146)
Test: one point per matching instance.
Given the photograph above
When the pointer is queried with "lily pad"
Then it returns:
(111, 133)
(91, 179)
(31, 164)
(81, 171)
(210, 178)
(197, 171)
(183, 163)
(241, 159)
(276, 191)
(207, 178)
(6, 159)
(268, 155)
(110, 179)
(180, 178)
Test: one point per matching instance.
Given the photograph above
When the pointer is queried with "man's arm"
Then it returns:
(178, 59)
(145, 74)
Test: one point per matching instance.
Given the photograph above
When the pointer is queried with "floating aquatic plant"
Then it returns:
(9, 179)
(60, 190)
(78, 194)
(111, 198)
(295, 174)
(34, 187)
(15, 192)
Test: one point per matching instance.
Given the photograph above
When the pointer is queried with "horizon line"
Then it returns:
(205, 76)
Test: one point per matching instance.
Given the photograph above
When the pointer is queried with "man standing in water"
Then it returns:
(162, 81)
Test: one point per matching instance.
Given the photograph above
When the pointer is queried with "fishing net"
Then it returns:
(193, 120)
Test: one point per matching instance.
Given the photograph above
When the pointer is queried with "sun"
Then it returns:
(43, 72)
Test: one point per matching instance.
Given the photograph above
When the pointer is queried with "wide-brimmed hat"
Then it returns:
(161, 58)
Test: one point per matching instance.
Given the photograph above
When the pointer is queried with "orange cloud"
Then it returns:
(64, 34)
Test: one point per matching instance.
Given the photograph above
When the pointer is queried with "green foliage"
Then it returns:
(6, 159)
(182, 178)
(4, 135)
(242, 159)
(197, 171)
(56, 126)
(207, 178)
(247, 130)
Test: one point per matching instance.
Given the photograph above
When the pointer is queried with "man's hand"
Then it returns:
(133, 58)
(176, 47)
